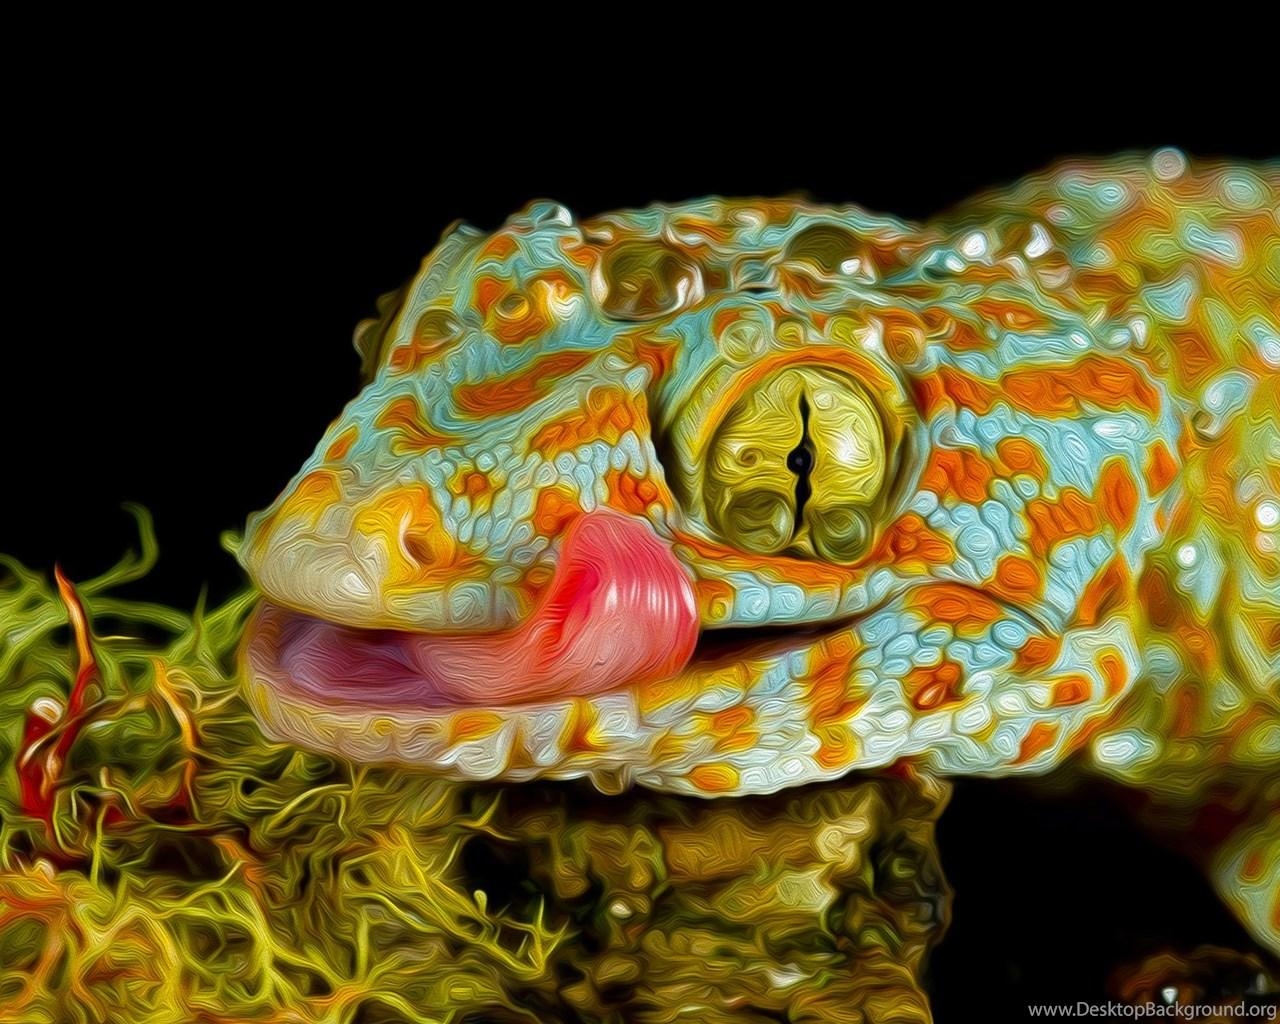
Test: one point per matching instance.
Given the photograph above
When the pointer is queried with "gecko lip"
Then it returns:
(619, 609)
(335, 666)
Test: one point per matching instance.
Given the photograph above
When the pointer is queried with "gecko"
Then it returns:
(731, 495)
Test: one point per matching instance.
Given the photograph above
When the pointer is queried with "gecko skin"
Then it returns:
(734, 495)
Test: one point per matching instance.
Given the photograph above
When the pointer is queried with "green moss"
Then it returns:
(177, 866)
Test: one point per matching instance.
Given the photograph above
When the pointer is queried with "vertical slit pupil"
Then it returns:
(800, 462)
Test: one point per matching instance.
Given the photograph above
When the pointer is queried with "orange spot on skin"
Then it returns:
(607, 414)
(956, 335)
(488, 291)
(535, 578)
(717, 557)
(934, 686)
(629, 493)
(1019, 456)
(467, 726)
(1103, 594)
(1105, 382)
(1161, 470)
(714, 597)
(1017, 579)
(962, 337)
(473, 484)
(724, 723)
(658, 354)
(961, 473)
(904, 343)
(405, 417)
(658, 694)
(912, 546)
(1009, 313)
(1198, 644)
(714, 778)
(1080, 739)
(1118, 494)
(1113, 670)
(1107, 287)
(1102, 381)
(1168, 613)
(1185, 713)
(948, 386)
(800, 283)
(515, 315)
(1036, 742)
(578, 253)
(1070, 691)
(1194, 358)
(1188, 444)
(499, 246)
(723, 319)
(732, 729)
(1037, 654)
(969, 612)
(837, 747)
(905, 334)
(889, 255)
(504, 395)
(1157, 597)
(337, 451)
(580, 734)
(317, 490)
(830, 697)
(1071, 514)
(553, 510)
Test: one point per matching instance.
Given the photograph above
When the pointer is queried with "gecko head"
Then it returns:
(607, 468)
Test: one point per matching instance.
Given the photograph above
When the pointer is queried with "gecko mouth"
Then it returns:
(338, 666)
(619, 610)
(618, 613)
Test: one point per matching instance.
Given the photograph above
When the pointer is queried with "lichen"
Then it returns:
(161, 861)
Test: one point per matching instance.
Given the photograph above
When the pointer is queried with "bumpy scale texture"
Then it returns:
(991, 493)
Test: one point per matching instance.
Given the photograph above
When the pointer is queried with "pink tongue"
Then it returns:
(619, 609)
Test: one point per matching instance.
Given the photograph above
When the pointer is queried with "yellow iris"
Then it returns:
(797, 466)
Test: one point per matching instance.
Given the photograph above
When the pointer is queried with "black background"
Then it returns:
(192, 239)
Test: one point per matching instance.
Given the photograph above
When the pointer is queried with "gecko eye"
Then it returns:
(797, 467)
